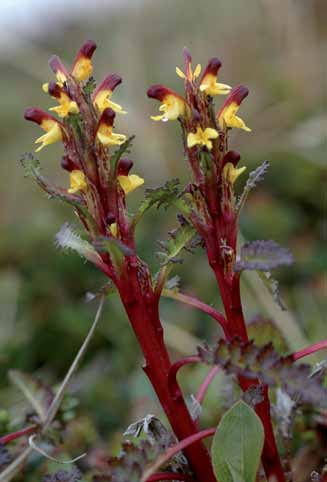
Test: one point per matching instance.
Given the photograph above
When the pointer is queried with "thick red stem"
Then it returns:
(234, 313)
(144, 318)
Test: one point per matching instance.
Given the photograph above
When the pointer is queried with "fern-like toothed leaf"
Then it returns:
(182, 238)
(263, 256)
(254, 178)
(66, 238)
(33, 170)
(265, 364)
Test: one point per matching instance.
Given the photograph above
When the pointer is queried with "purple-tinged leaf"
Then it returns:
(263, 256)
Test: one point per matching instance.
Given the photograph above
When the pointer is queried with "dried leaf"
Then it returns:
(263, 256)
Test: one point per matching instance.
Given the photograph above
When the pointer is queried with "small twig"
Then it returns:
(309, 350)
(174, 450)
(20, 433)
(189, 300)
(35, 447)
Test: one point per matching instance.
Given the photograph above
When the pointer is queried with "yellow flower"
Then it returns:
(172, 104)
(130, 183)
(48, 123)
(231, 173)
(53, 134)
(211, 87)
(82, 67)
(227, 115)
(67, 106)
(104, 130)
(202, 137)
(77, 181)
(109, 138)
(228, 118)
(103, 100)
(209, 84)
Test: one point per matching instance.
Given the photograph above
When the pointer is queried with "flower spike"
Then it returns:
(48, 123)
(82, 67)
(59, 70)
(227, 115)
(66, 104)
(102, 95)
(172, 104)
(202, 137)
(208, 82)
(104, 130)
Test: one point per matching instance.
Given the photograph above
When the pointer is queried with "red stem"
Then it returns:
(169, 476)
(209, 310)
(144, 318)
(20, 433)
(309, 350)
(231, 298)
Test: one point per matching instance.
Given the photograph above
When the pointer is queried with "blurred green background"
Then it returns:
(275, 47)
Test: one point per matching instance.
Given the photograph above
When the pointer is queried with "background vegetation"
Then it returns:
(275, 47)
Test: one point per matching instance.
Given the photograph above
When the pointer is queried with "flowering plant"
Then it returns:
(99, 180)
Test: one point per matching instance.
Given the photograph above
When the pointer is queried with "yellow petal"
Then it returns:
(77, 181)
(130, 183)
(53, 135)
(114, 229)
(211, 133)
(180, 73)
(231, 173)
(82, 69)
(192, 140)
(197, 71)
(157, 117)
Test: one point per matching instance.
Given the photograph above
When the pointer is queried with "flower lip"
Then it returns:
(109, 83)
(107, 117)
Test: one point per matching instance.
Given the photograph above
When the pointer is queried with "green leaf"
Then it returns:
(180, 238)
(166, 195)
(237, 445)
(39, 396)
